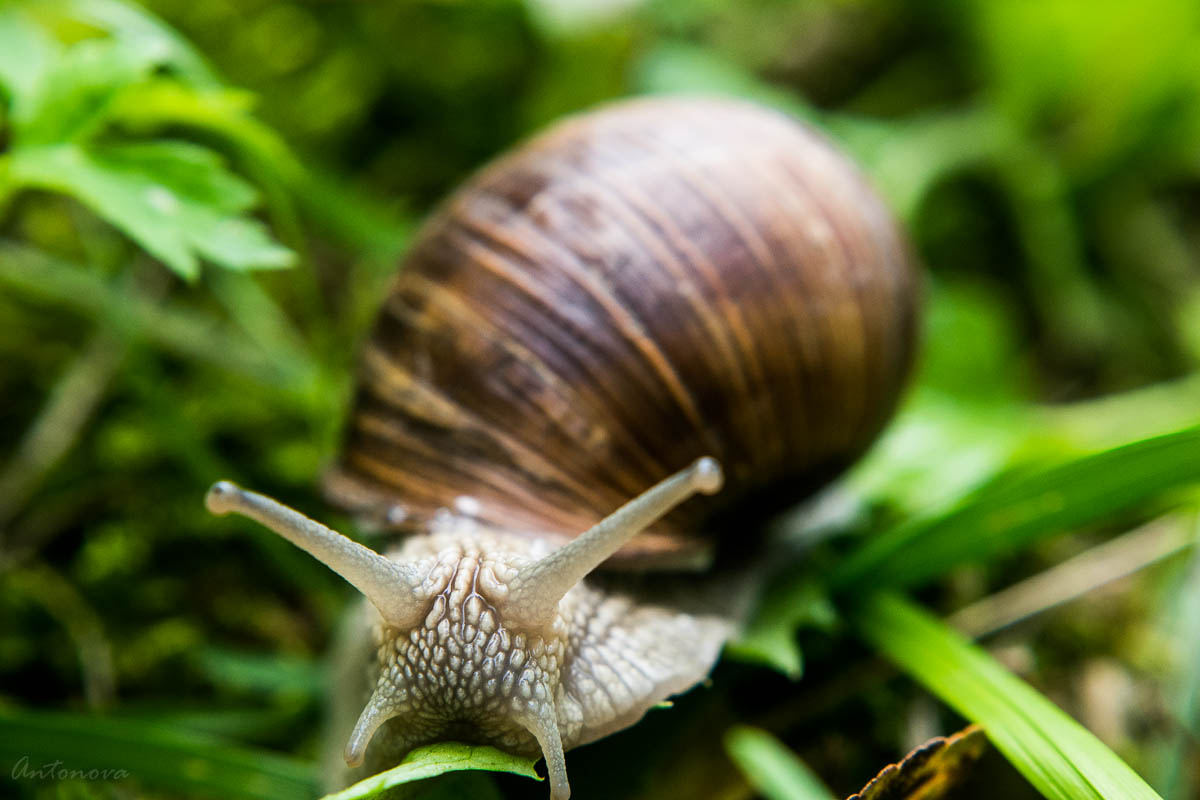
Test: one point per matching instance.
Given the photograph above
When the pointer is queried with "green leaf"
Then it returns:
(26, 53)
(238, 244)
(1115, 419)
(789, 602)
(436, 759)
(72, 99)
(137, 207)
(216, 111)
(1014, 511)
(151, 755)
(937, 451)
(128, 22)
(771, 768)
(1062, 759)
(175, 199)
(188, 170)
(222, 115)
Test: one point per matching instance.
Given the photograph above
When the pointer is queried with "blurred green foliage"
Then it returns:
(65, 102)
(1044, 155)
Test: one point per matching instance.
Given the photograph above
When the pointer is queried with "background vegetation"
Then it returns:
(200, 204)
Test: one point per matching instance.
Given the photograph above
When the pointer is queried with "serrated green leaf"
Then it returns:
(139, 207)
(217, 111)
(221, 114)
(772, 768)
(437, 759)
(237, 244)
(1061, 758)
(151, 755)
(176, 200)
(128, 22)
(187, 169)
(72, 98)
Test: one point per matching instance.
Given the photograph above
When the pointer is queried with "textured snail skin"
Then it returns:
(466, 673)
(639, 286)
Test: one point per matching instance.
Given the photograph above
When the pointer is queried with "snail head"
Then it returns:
(476, 628)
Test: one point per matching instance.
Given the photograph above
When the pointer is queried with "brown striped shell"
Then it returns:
(636, 287)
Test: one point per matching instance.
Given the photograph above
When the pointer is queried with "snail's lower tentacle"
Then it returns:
(544, 727)
(379, 709)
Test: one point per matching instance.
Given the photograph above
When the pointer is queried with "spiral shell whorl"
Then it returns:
(639, 286)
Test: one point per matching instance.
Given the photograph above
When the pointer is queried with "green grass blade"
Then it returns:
(1010, 513)
(1179, 620)
(256, 672)
(433, 760)
(265, 724)
(151, 755)
(771, 768)
(1061, 758)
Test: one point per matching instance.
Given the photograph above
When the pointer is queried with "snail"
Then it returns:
(655, 300)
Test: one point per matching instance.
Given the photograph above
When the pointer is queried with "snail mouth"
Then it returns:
(512, 738)
(424, 730)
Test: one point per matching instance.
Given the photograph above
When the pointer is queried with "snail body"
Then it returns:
(655, 284)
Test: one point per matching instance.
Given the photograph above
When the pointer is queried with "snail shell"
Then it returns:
(637, 287)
